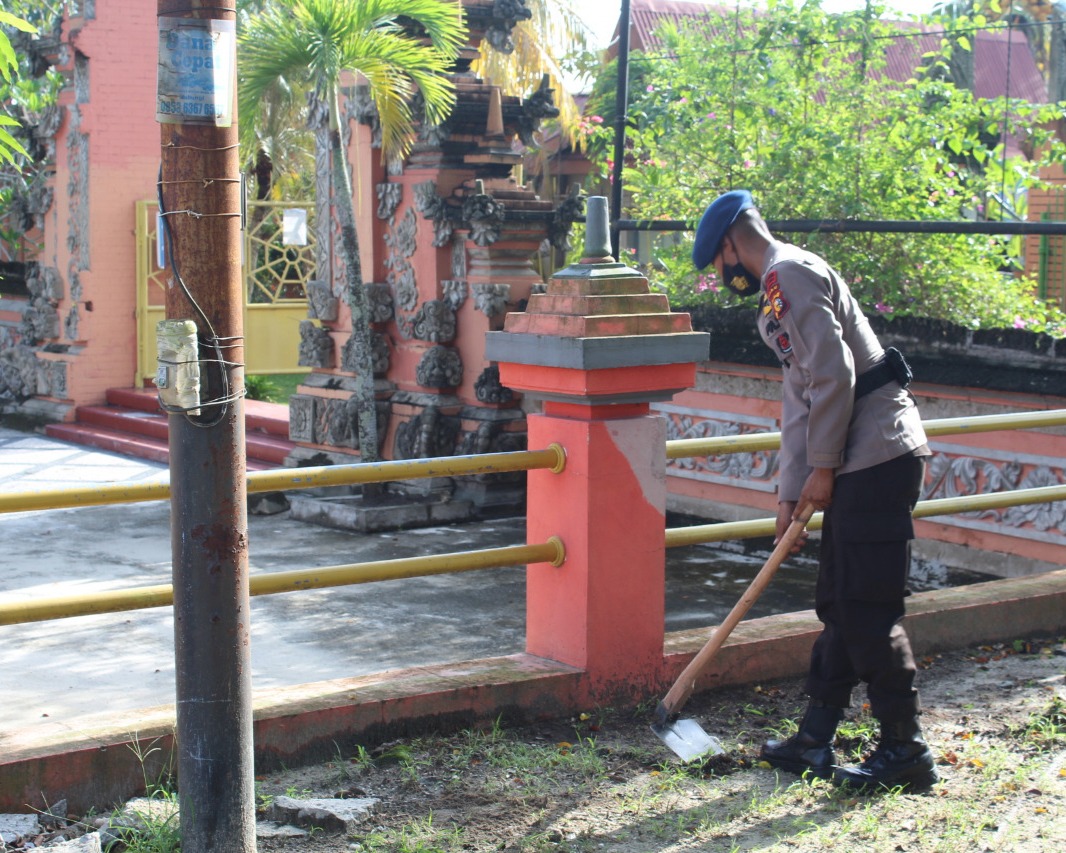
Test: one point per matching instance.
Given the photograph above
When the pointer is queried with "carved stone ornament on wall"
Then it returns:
(952, 472)
(401, 241)
(439, 367)
(18, 373)
(459, 260)
(489, 437)
(316, 346)
(757, 470)
(505, 14)
(361, 108)
(321, 303)
(379, 350)
(301, 418)
(485, 216)
(379, 298)
(565, 215)
(389, 195)
(537, 106)
(489, 389)
(455, 291)
(429, 435)
(434, 322)
(491, 299)
(434, 208)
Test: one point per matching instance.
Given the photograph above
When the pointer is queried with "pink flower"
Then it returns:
(884, 309)
(712, 116)
(651, 88)
(1019, 323)
(596, 119)
(683, 101)
(748, 164)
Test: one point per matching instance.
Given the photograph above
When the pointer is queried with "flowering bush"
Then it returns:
(795, 105)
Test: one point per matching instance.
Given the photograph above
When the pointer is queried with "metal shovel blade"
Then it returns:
(687, 739)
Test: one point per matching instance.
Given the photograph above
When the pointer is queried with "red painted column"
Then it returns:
(596, 349)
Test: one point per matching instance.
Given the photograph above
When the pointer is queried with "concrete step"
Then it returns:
(133, 424)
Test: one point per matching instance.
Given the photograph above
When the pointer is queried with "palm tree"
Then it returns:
(538, 45)
(400, 47)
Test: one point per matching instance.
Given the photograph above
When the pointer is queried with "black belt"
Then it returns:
(893, 368)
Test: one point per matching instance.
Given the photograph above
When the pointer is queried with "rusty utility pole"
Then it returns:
(201, 205)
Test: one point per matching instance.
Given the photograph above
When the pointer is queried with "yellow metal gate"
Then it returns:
(275, 278)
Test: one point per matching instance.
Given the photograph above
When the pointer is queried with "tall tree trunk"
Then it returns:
(366, 411)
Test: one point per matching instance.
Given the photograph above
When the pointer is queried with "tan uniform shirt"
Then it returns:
(809, 318)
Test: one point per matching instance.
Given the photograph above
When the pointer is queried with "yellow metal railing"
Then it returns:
(142, 598)
(553, 551)
(552, 458)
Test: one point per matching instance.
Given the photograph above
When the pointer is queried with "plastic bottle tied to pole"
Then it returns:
(178, 371)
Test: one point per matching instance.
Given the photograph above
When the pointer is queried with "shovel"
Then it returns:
(686, 737)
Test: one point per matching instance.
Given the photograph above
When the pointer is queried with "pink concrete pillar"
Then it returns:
(596, 349)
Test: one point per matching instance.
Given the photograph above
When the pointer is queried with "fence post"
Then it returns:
(596, 349)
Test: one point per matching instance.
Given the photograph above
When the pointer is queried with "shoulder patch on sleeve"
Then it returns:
(775, 300)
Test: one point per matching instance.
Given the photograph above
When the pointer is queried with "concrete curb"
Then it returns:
(103, 760)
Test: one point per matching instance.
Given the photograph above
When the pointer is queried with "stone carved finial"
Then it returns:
(537, 107)
(565, 215)
(505, 14)
(597, 231)
(485, 216)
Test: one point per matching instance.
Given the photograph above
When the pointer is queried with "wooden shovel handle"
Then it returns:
(686, 682)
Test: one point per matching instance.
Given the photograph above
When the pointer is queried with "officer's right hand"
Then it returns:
(785, 511)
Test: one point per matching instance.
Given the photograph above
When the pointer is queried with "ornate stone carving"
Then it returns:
(301, 418)
(40, 321)
(18, 373)
(321, 303)
(379, 298)
(458, 260)
(316, 346)
(490, 437)
(379, 352)
(435, 209)
(361, 108)
(389, 196)
(429, 435)
(434, 321)
(491, 299)
(505, 14)
(400, 239)
(334, 424)
(539, 105)
(564, 217)
(439, 367)
(485, 216)
(488, 388)
(454, 292)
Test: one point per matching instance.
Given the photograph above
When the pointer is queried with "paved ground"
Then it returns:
(63, 669)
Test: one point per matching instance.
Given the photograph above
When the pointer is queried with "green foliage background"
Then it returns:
(795, 105)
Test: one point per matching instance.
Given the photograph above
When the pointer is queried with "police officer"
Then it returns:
(852, 444)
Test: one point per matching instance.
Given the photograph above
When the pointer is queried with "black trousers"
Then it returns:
(862, 581)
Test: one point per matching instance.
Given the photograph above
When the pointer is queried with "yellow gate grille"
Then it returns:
(275, 278)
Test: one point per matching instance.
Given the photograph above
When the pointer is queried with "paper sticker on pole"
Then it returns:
(196, 74)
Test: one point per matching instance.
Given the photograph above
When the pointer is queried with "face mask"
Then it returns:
(739, 280)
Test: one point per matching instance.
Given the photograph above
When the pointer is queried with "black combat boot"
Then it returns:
(902, 760)
(811, 748)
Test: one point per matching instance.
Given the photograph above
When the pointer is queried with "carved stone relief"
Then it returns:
(321, 303)
(429, 435)
(379, 300)
(401, 241)
(316, 346)
(505, 14)
(301, 418)
(434, 321)
(389, 196)
(491, 299)
(380, 354)
(434, 208)
(564, 217)
(18, 373)
(536, 107)
(485, 216)
(458, 260)
(454, 292)
(439, 367)
(489, 389)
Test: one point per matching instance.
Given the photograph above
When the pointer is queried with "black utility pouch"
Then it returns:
(900, 369)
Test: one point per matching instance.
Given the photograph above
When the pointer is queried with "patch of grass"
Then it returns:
(273, 387)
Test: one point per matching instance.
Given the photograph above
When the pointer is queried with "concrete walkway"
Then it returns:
(61, 670)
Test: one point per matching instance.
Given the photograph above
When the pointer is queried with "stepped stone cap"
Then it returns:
(597, 314)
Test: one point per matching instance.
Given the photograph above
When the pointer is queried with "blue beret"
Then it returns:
(719, 215)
